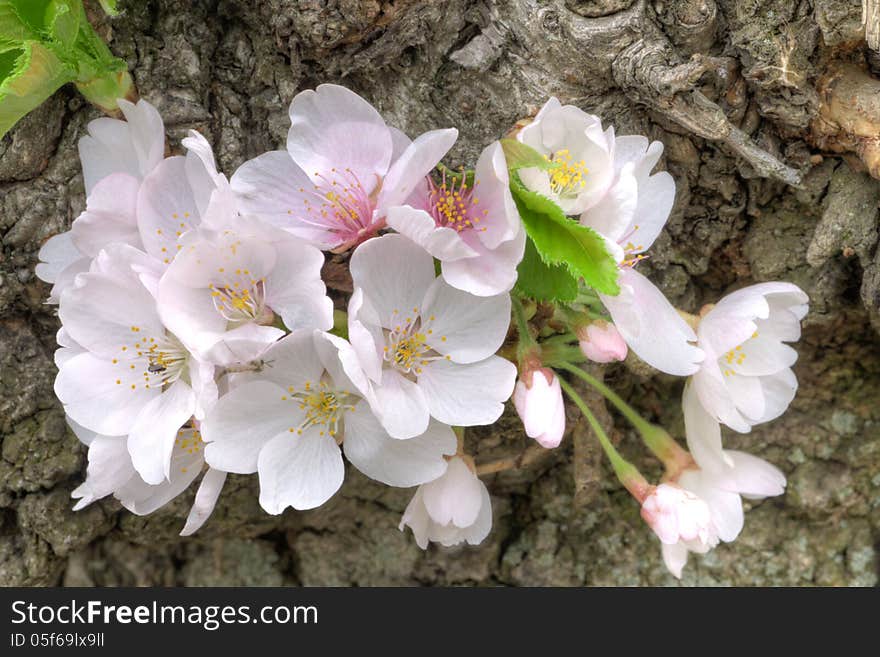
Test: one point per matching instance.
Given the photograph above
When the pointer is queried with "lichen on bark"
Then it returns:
(767, 189)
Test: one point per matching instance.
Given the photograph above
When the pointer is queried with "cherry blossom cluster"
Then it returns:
(198, 338)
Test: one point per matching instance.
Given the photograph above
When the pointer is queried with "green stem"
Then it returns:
(655, 438)
(626, 472)
(522, 324)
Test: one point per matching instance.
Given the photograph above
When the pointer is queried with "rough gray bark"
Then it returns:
(766, 191)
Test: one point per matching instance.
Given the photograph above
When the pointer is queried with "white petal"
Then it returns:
(455, 497)
(464, 327)
(401, 406)
(201, 169)
(395, 462)
(152, 436)
(206, 500)
(365, 335)
(441, 242)
(651, 326)
(332, 127)
(291, 361)
(413, 165)
(752, 476)
(109, 469)
(468, 395)
(58, 253)
(726, 507)
(675, 557)
(394, 274)
(656, 198)
(416, 517)
(501, 222)
(243, 421)
(490, 272)
(88, 388)
(110, 215)
(242, 344)
(295, 289)
(613, 216)
(166, 208)
(479, 530)
(302, 471)
(778, 391)
(703, 432)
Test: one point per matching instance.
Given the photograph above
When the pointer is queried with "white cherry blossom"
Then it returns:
(342, 170)
(474, 230)
(746, 378)
(427, 348)
(453, 509)
(286, 422)
(122, 372)
(676, 514)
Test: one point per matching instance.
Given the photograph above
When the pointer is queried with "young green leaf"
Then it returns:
(520, 156)
(62, 22)
(109, 7)
(543, 282)
(560, 240)
(34, 76)
(32, 13)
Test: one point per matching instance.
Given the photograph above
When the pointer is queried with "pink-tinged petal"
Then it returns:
(501, 221)
(761, 356)
(334, 128)
(412, 166)
(675, 558)
(533, 133)
(467, 395)
(243, 421)
(152, 436)
(455, 498)
(462, 326)
(651, 326)
(726, 507)
(295, 289)
(166, 209)
(394, 273)
(110, 215)
(135, 146)
(301, 471)
(274, 189)
(746, 394)
(109, 469)
(88, 388)
(490, 272)
(206, 500)
(401, 463)
(631, 149)
(441, 242)
(752, 477)
(399, 142)
(539, 404)
(401, 406)
(57, 254)
(201, 169)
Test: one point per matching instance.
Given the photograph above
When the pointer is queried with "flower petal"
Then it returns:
(455, 497)
(703, 433)
(441, 242)
(110, 215)
(295, 289)
(490, 272)
(206, 499)
(464, 327)
(468, 395)
(166, 209)
(395, 462)
(651, 326)
(243, 421)
(301, 471)
(401, 406)
(412, 166)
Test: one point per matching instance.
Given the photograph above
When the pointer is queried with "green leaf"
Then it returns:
(34, 76)
(560, 240)
(520, 156)
(542, 282)
(63, 19)
(32, 13)
(13, 31)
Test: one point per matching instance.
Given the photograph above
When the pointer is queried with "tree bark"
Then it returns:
(767, 114)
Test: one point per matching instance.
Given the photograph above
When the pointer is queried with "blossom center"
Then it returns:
(339, 203)
(161, 360)
(408, 347)
(241, 299)
(566, 176)
(734, 357)
(323, 405)
(455, 205)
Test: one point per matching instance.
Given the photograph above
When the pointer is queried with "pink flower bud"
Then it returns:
(601, 342)
(676, 514)
(538, 401)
